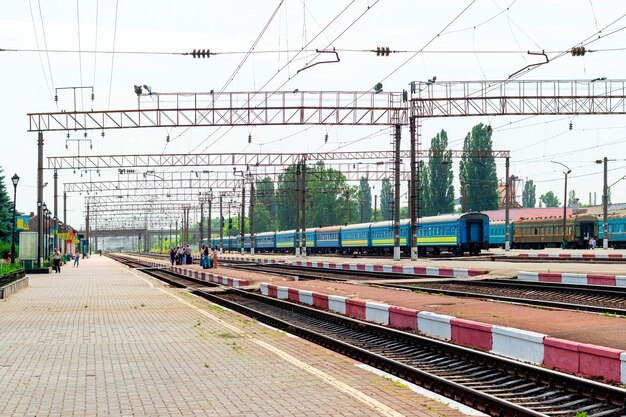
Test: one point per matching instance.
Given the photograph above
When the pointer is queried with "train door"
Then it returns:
(587, 230)
(475, 231)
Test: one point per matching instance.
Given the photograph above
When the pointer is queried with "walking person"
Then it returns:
(76, 258)
(179, 255)
(206, 257)
(56, 259)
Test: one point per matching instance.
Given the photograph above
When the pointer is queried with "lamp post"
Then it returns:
(566, 173)
(44, 213)
(15, 180)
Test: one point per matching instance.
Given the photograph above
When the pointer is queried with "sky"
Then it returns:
(460, 41)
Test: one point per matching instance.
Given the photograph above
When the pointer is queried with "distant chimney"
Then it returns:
(589, 198)
(594, 198)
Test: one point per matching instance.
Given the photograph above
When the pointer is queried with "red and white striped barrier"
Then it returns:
(251, 259)
(394, 269)
(569, 278)
(527, 346)
(210, 277)
(577, 255)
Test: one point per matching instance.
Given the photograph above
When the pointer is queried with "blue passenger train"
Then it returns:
(457, 233)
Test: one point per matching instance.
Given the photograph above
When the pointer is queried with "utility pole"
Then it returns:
(65, 229)
(347, 206)
(88, 245)
(243, 216)
(40, 200)
(303, 207)
(56, 207)
(176, 233)
(201, 226)
(413, 193)
(507, 244)
(396, 197)
(297, 243)
(209, 226)
(605, 207)
(251, 214)
(221, 227)
(375, 205)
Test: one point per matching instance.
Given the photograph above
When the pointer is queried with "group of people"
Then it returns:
(181, 255)
(57, 257)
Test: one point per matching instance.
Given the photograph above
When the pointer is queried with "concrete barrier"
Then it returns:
(402, 318)
(560, 354)
(528, 276)
(518, 344)
(377, 312)
(337, 304)
(306, 297)
(433, 324)
(282, 293)
(264, 288)
(600, 361)
(320, 301)
(471, 333)
(355, 308)
(622, 358)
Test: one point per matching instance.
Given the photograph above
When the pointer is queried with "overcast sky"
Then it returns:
(29, 79)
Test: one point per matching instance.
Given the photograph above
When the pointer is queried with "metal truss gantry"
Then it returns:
(395, 109)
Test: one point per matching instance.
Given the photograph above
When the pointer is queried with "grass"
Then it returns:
(6, 268)
(581, 414)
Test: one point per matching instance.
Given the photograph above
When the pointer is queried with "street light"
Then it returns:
(564, 198)
(15, 180)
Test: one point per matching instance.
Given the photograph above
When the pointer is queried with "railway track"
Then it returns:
(494, 385)
(596, 299)
(542, 259)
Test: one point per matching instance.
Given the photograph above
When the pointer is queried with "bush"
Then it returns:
(6, 268)
(5, 248)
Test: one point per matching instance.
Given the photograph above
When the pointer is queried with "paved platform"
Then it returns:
(105, 340)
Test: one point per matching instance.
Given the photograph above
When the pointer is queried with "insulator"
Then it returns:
(326, 138)
(250, 138)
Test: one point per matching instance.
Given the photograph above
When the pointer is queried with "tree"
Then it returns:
(529, 198)
(365, 197)
(6, 212)
(571, 198)
(264, 192)
(479, 181)
(424, 191)
(386, 200)
(262, 218)
(440, 176)
(549, 199)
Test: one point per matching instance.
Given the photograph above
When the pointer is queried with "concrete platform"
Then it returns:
(102, 339)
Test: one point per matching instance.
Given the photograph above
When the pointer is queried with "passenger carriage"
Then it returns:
(547, 232)
(328, 239)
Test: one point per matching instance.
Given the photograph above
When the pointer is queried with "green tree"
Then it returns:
(571, 197)
(262, 218)
(424, 202)
(386, 200)
(264, 193)
(365, 197)
(440, 176)
(6, 211)
(549, 199)
(479, 181)
(326, 197)
(529, 198)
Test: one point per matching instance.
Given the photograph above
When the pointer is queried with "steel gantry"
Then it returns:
(427, 100)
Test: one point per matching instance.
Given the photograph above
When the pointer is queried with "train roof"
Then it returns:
(389, 223)
(356, 226)
(286, 232)
(265, 234)
(311, 229)
(329, 229)
(539, 220)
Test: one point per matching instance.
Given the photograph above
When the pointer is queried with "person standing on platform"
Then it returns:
(172, 256)
(76, 258)
(56, 261)
(215, 252)
(188, 259)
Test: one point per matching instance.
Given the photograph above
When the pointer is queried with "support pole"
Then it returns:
(87, 246)
(396, 197)
(303, 207)
(40, 200)
(251, 214)
(414, 182)
(507, 198)
(209, 221)
(605, 207)
(201, 226)
(65, 228)
(297, 243)
(243, 217)
(221, 227)
(565, 207)
(56, 208)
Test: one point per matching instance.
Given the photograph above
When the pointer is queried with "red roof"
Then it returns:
(527, 213)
